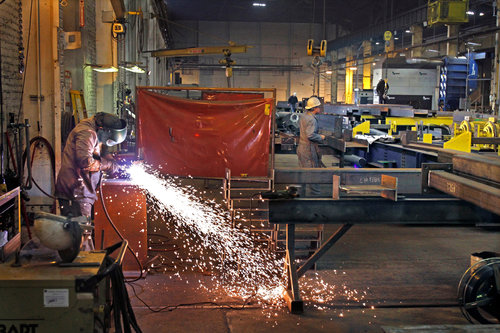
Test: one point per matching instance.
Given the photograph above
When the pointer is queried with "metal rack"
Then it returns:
(7, 202)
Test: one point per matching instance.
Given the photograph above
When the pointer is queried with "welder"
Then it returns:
(84, 157)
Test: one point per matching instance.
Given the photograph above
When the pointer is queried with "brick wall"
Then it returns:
(9, 39)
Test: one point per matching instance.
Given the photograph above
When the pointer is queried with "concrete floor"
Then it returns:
(401, 275)
(410, 276)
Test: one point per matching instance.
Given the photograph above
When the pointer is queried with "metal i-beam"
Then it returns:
(409, 180)
(379, 211)
(197, 51)
(118, 8)
(479, 166)
(482, 195)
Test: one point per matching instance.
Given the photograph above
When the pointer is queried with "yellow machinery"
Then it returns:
(198, 51)
(447, 11)
(479, 129)
(226, 51)
(490, 129)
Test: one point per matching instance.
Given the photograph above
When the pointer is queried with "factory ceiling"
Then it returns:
(352, 15)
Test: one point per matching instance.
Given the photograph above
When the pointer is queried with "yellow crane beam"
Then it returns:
(196, 51)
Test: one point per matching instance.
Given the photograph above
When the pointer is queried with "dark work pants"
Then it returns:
(76, 208)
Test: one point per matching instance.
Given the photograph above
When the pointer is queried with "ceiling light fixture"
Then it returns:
(353, 68)
(408, 31)
(134, 69)
(469, 12)
(328, 72)
(481, 14)
(259, 4)
(102, 68)
(377, 43)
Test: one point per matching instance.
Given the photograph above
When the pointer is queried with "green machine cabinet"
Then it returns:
(42, 297)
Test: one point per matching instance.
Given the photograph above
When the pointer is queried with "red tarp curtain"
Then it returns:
(202, 138)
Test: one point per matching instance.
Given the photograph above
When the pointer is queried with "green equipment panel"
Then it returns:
(40, 297)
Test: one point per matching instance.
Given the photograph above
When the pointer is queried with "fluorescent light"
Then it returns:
(353, 68)
(328, 72)
(259, 4)
(102, 68)
(469, 12)
(408, 31)
(432, 50)
(377, 43)
(134, 69)
(481, 14)
(396, 38)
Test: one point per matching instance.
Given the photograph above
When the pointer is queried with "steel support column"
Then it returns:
(292, 294)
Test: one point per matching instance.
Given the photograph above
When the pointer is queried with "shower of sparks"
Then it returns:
(246, 270)
(243, 268)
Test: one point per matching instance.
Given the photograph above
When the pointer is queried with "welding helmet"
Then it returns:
(111, 130)
(312, 102)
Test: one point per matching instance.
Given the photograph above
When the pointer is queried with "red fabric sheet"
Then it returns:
(201, 138)
(229, 96)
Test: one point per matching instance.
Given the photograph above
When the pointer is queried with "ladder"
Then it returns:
(78, 105)
(243, 201)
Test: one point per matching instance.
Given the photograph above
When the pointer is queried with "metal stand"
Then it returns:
(292, 294)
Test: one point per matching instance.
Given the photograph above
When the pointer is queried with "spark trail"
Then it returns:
(246, 269)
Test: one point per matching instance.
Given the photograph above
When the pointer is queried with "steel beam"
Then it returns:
(118, 8)
(197, 51)
(409, 180)
(482, 195)
(487, 167)
(378, 211)
(292, 294)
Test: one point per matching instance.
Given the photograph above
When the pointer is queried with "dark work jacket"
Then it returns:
(293, 100)
(81, 164)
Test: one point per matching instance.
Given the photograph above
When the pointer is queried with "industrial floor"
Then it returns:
(381, 276)
(407, 275)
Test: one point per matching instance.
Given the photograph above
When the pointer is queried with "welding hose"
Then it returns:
(40, 139)
(108, 217)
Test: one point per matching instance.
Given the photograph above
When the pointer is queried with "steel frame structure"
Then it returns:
(412, 208)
